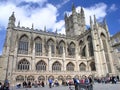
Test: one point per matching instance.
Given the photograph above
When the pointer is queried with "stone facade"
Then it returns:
(31, 54)
(115, 43)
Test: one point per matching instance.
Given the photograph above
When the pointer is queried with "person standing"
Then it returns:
(50, 82)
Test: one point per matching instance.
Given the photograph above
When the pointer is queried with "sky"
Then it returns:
(50, 14)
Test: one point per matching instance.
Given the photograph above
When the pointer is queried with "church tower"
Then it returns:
(75, 23)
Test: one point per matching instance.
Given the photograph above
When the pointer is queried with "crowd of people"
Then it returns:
(52, 83)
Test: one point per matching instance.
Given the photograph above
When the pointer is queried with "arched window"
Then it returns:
(70, 66)
(104, 41)
(72, 49)
(41, 66)
(20, 78)
(23, 65)
(82, 67)
(51, 77)
(84, 51)
(61, 46)
(38, 46)
(68, 77)
(41, 78)
(92, 65)
(51, 45)
(23, 45)
(30, 78)
(56, 66)
(60, 77)
(90, 46)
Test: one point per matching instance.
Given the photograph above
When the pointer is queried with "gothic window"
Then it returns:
(72, 49)
(84, 51)
(82, 67)
(70, 66)
(51, 45)
(61, 46)
(41, 78)
(90, 46)
(30, 78)
(23, 45)
(56, 66)
(104, 41)
(92, 66)
(76, 76)
(20, 78)
(38, 46)
(60, 77)
(68, 77)
(23, 65)
(41, 66)
(51, 77)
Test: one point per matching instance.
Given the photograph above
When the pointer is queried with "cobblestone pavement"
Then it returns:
(95, 87)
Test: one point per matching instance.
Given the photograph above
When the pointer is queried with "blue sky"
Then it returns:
(50, 13)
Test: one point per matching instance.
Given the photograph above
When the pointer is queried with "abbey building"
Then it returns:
(30, 54)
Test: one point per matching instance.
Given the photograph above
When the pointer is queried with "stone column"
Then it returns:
(64, 67)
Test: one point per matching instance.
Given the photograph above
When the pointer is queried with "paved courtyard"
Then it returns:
(95, 87)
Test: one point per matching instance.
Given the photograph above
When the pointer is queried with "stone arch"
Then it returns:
(23, 44)
(23, 35)
(76, 76)
(83, 52)
(103, 36)
(70, 66)
(19, 78)
(30, 78)
(41, 66)
(38, 45)
(23, 65)
(92, 66)
(51, 44)
(82, 67)
(68, 77)
(71, 48)
(105, 48)
(41, 78)
(37, 37)
(61, 46)
(51, 76)
(90, 46)
(60, 77)
(80, 42)
(56, 66)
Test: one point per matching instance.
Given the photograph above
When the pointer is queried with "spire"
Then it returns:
(12, 17)
(73, 9)
(91, 23)
(94, 19)
(82, 11)
(11, 22)
(65, 16)
(45, 28)
(105, 24)
(73, 6)
(32, 26)
(19, 24)
(104, 21)
(56, 30)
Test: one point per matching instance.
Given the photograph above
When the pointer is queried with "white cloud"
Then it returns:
(99, 10)
(40, 17)
(112, 8)
(45, 16)
(63, 3)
